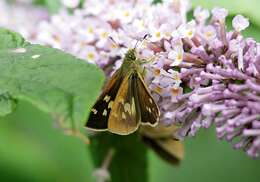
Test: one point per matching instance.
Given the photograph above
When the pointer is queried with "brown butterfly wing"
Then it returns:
(161, 140)
(150, 113)
(173, 147)
(160, 131)
(125, 114)
(169, 149)
(99, 114)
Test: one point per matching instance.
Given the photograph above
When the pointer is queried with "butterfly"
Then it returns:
(125, 102)
(161, 140)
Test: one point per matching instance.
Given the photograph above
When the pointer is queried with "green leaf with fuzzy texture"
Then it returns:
(61, 85)
(7, 104)
(9, 39)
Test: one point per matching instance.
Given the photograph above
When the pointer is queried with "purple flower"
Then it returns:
(226, 90)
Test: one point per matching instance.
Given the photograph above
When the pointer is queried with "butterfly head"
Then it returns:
(131, 55)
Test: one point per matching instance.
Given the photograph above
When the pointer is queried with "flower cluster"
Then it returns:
(198, 72)
(222, 70)
(15, 17)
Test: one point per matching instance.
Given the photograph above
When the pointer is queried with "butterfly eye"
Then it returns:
(130, 55)
(133, 57)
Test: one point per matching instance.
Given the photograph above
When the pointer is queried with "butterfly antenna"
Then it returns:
(113, 40)
(136, 44)
(145, 36)
(117, 44)
(142, 40)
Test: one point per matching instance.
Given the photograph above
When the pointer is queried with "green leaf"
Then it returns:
(129, 163)
(9, 39)
(7, 104)
(55, 82)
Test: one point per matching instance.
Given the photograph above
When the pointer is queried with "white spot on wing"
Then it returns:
(94, 110)
(123, 115)
(107, 98)
(104, 112)
(151, 101)
(148, 109)
(133, 106)
(110, 104)
(127, 108)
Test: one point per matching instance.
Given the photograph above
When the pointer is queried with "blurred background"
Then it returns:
(32, 149)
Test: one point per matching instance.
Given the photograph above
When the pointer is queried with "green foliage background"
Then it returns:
(33, 148)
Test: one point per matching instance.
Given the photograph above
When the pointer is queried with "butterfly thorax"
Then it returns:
(130, 62)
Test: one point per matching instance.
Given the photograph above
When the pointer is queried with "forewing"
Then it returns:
(99, 114)
(125, 114)
(149, 110)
